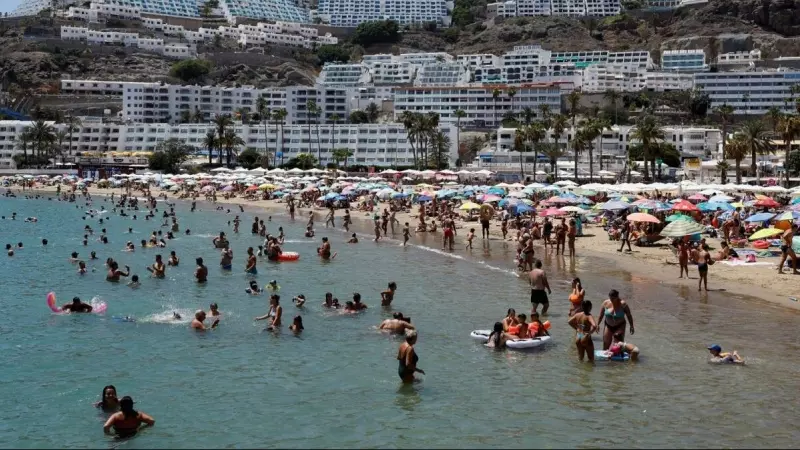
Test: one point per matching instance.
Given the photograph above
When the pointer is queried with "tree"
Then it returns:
(221, 122)
(535, 133)
(511, 93)
(335, 118)
(753, 135)
(61, 136)
(169, 155)
(788, 129)
(231, 141)
(495, 95)
(613, 97)
(376, 32)
(358, 116)
(333, 54)
(544, 111)
(793, 163)
(460, 114)
(519, 146)
(244, 115)
(186, 116)
(306, 161)
(311, 113)
(341, 154)
(580, 142)
(43, 137)
(559, 124)
(249, 158)
(737, 150)
(264, 115)
(280, 119)
(648, 132)
(73, 124)
(725, 113)
(190, 70)
(373, 112)
(409, 120)
(210, 143)
(552, 152)
(441, 149)
(23, 140)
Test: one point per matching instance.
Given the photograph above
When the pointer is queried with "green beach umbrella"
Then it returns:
(675, 217)
(680, 228)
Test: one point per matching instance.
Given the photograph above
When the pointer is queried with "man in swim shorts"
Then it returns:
(538, 282)
(77, 306)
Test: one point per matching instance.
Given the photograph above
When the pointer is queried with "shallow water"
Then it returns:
(337, 384)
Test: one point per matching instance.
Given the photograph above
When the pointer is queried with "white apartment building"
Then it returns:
(604, 77)
(477, 60)
(96, 10)
(392, 72)
(481, 108)
(350, 13)
(92, 87)
(750, 92)
(344, 75)
(526, 55)
(612, 147)
(381, 145)
(739, 58)
(574, 8)
(684, 61)
(172, 50)
(33, 7)
(442, 74)
(668, 81)
(422, 58)
(546, 73)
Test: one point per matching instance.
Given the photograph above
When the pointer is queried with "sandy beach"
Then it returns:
(657, 263)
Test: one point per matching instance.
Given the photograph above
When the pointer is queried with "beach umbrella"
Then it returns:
(469, 206)
(399, 195)
(642, 217)
(424, 198)
(765, 233)
(709, 206)
(523, 208)
(767, 203)
(207, 188)
(490, 198)
(573, 209)
(699, 197)
(675, 217)
(508, 202)
(760, 217)
(496, 191)
(331, 196)
(551, 212)
(680, 228)
(788, 215)
(229, 188)
(613, 205)
(683, 205)
(720, 199)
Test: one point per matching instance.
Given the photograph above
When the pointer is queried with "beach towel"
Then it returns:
(739, 262)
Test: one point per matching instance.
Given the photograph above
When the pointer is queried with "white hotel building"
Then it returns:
(372, 144)
(748, 92)
(350, 13)
(574, 8)
(691, 142)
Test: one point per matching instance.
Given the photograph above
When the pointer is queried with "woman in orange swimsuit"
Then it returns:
(576, 297)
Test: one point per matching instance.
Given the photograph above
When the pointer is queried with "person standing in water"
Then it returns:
(703, 262)
(77, 306)
(584, 325)
(275, 312)
(199, 318)
(613, 313)
(250, 267)
(329, 219)
(201, 272)
(325, 250)
(109, 402)
(226, 259)
(347, 221)
(127, 422)
(407, 358)
(157, 269)
(539, 283)
(388, 295)
(406, 234)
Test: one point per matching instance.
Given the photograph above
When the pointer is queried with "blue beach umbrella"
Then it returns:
(399, 195)
(423, 198)
(523, 208)
(612, 205)
(760, 217)
(496, 191)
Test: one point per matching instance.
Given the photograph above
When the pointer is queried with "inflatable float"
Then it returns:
(761, 245)
(483, 336)
(289, 256)
(97, 308)
(605, 355)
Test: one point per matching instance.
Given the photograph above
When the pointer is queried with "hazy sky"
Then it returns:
(8, 5)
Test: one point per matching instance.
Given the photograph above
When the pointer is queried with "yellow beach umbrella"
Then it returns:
(469, 206)
(738, 205)
(765, 233)
(266, 186)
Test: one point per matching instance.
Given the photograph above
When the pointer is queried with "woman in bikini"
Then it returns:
(407, 358)
(388, 295)
(613, 313)
(498, 337)
(584, 325)
(275, 313)
(576, 297)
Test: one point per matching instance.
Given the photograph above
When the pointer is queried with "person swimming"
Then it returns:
(253, 289)
(109, 402)
(77, 306)
(127, 422)
(297, 325)
(273, 286)
(719, 357)
(299, 301)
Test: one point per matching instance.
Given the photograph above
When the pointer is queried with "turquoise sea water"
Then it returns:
(337, 385)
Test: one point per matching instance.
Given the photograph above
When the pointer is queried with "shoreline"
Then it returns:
(764, 283)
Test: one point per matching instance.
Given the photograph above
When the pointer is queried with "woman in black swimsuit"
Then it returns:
(407, 358)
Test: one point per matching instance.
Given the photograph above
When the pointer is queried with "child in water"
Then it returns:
(720, 357)
(253, 289)
(273, 286)
(134, 283)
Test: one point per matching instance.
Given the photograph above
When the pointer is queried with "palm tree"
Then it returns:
(613, 97)
(335, 118)
(738, 150)
(341, 154)
(311, 107)
(186, 116)
(306, 160)
(580, 142)
(511, 93)
(559, 124)
(648, 132)
(535, 134)
(773, 117)
(602, 125)
(221, 122)
(725, 113)
(495, 95)
(61, 136)
(263, 113)
(553, 152)
(197, 115)
(789, 129)
(210, 142)
(244, 115)
(23, 140)
(544, 111)
(430, 127)
(72, 125)
(754, 137)
(460, 114)
(409, 120)
(280, 119)
(231, 141)
(519, 146)
(441, 146)
(373, 112)
(528, 115)
(43, 136)
(574, 103)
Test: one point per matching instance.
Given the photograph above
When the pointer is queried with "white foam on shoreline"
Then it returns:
(459, 257)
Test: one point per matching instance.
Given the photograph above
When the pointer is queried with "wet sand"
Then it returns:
(655, 263)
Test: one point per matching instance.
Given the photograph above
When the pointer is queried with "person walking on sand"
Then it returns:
(329, 218)
(406, 234)
(703, 262)
(347, 220)
(539, 283)
(787, 250)
(683, 257)
(625, 236)
(377, 224)
(571, 233)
